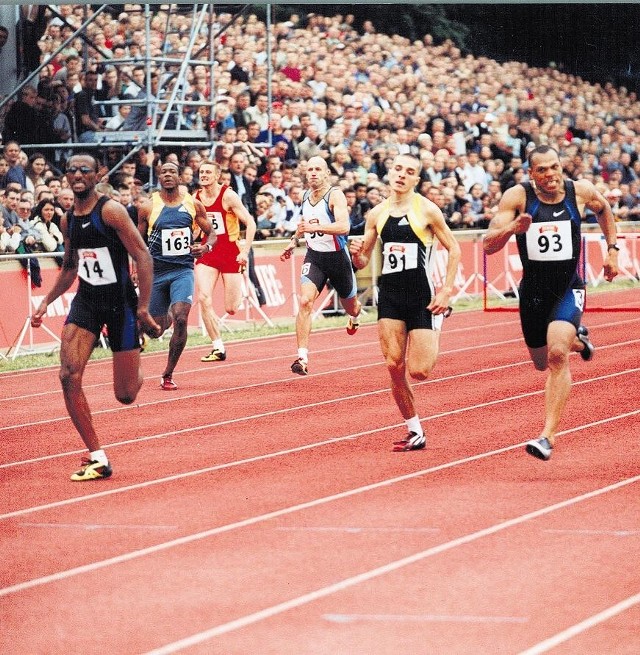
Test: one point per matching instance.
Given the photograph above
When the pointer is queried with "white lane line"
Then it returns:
(578, 628)
(597, 533)
(257, 458)
(252, 417)
(357, 530)
(421, 618)
(213, 392)
(286, 410)
(366, 576)
(96, 526)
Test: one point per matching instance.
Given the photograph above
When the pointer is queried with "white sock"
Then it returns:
(413, 425)
(303, 354)
(218, 345)
(99, 456)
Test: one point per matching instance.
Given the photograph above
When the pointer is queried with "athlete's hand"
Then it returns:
(610, 267)
(36, 318)
(147, 323)
(287, 252)
(440, 304)
(199, 249)
(521, 223)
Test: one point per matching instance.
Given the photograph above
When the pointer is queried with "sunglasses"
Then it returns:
(83, 169)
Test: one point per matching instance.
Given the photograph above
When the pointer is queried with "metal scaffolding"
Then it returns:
(172, 71)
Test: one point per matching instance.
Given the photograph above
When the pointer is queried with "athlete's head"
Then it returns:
(209, 172)
(169, 176)
(317, 172)
(404, 173)
(545, 169)
(82, 174)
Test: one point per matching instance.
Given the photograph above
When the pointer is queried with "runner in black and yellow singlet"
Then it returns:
(410, 311)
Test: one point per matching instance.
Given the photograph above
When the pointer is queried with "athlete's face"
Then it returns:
(404, 174)
(81, 175)
(317, 172)
(169, 177)
(546, 172)
(208, 175)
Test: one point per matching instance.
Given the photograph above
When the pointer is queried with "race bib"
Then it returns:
(399, 257)
(217, 222)
(95, 266)
(176, 242)
(549, 242)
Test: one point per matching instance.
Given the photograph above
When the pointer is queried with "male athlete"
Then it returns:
(324, 222)
(168, 220)
(545, 217)
(227, 259)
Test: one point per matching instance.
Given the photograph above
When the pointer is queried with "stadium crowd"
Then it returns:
(354, 96)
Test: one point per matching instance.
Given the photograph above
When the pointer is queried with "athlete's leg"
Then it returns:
(76, 348)
(561, 336)
(179, 313)
(206, 279)
(127, 375)
(393, 342)
(232, 291)
(422, 352)
(308, 295)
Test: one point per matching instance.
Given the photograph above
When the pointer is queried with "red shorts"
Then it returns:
(223, 257)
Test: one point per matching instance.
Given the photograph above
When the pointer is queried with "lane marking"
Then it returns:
(422, 618)
(96, 526)
(609, 533)
(125, 557)
(346, 583)
(355, 530)
(257, 458)
(578, 628)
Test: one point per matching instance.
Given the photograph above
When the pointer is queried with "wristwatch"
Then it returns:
(612, 246)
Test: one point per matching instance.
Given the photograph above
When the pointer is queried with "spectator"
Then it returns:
(88, 121)
(20, 123)
(35, 169)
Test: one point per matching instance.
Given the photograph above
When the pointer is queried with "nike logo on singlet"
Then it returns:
(556, 214)
(86, 224)
(404, 221)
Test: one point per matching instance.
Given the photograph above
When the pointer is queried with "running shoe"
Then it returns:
(540, 448)
(214, 356)
(587, 352)
(91, 470)
(413, 441)
(299, 367)
(144, 341)
(353, 324)
(167, 383)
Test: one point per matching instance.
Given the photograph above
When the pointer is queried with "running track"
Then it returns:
(258, 512)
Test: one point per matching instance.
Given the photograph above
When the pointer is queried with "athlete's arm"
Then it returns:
(115, 216)
(233, 202)
(65, 278)
(435, 220)
(509, 220)
(205, 224)
(361, 249)
(597, 203)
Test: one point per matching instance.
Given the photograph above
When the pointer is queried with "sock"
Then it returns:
(413, 425)
(303, 353)
(99, 456)
(218, 345)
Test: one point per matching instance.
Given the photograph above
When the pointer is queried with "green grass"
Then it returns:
(255, 330)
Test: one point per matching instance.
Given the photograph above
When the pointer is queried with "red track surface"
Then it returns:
(254, 511)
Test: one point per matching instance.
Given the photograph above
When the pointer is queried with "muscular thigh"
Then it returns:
(232, 290)
(206, 279)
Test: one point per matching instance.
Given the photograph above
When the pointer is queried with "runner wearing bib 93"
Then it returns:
(168, 221)
(545, 217)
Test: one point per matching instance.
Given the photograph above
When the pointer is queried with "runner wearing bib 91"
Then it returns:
(545, 217)
(410, 310)
(168, 221)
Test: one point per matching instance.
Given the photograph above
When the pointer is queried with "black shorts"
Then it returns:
(538, 308)
(410, 307)
(334, 267)
(120, 320)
